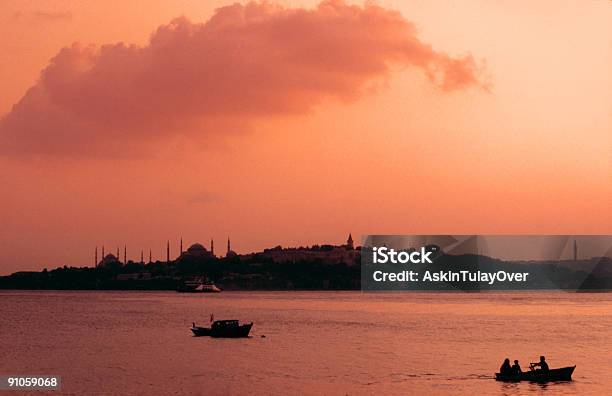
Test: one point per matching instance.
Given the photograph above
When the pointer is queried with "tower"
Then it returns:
(102, 252)
(575, 250)
(229, 246)
(181, 245)
(212, 247)
(117, 255)
(96, 262)
(349, 242)
(124, 254)
(150, 256)
(168, 252)
(142, 257)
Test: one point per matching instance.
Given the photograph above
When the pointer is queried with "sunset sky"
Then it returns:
(295, 123)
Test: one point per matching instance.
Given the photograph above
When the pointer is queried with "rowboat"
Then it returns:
(560, 374)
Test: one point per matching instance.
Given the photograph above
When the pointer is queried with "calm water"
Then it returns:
(316, 342)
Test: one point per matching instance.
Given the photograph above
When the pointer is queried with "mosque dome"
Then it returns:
(196, 247)
(197, 250)
(109, 259)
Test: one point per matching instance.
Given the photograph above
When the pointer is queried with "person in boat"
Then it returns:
(505, 368)
(516, 368)
(542, 364)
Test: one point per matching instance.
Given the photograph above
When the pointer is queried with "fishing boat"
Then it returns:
(560, 374)
(223, 329)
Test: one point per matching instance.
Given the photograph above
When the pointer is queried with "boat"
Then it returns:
(198, 286)
(206, 288)
(559, 374)
(223, 329)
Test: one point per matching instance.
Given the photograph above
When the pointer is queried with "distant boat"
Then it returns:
(560, 374)
(223, 329)
(206, 288)
(198, 287)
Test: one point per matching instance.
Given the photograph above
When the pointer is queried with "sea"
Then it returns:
(333, 343)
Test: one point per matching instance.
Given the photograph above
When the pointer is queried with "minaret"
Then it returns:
(212, 247)
(96, 262)
(349, 242)
(229, 246)
(181, 245)
(168, 252)
(142, 257)
(124, 254)
(575, 250)
(150, 256)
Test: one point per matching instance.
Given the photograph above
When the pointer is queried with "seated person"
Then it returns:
(505, 368)
(516, 368)
(543, 365)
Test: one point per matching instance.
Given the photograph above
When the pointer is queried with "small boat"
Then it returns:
(223, 329)
(198, 286)
(560, 374)
(207, 288)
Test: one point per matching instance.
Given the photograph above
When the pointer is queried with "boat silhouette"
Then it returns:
(223, 329)
(559, 374)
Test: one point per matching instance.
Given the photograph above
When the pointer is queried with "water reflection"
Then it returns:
(122, 343)
(548, 388)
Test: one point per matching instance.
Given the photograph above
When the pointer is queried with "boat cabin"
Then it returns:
(223, 324)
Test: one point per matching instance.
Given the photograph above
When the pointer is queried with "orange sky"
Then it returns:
(297, 125)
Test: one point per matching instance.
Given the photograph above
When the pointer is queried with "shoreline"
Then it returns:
(373, 292)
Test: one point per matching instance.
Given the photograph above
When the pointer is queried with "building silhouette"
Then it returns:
(331, 254)
(575, 250)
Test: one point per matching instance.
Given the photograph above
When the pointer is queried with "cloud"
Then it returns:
(203, 197)
(245, 62)
(50, 16)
